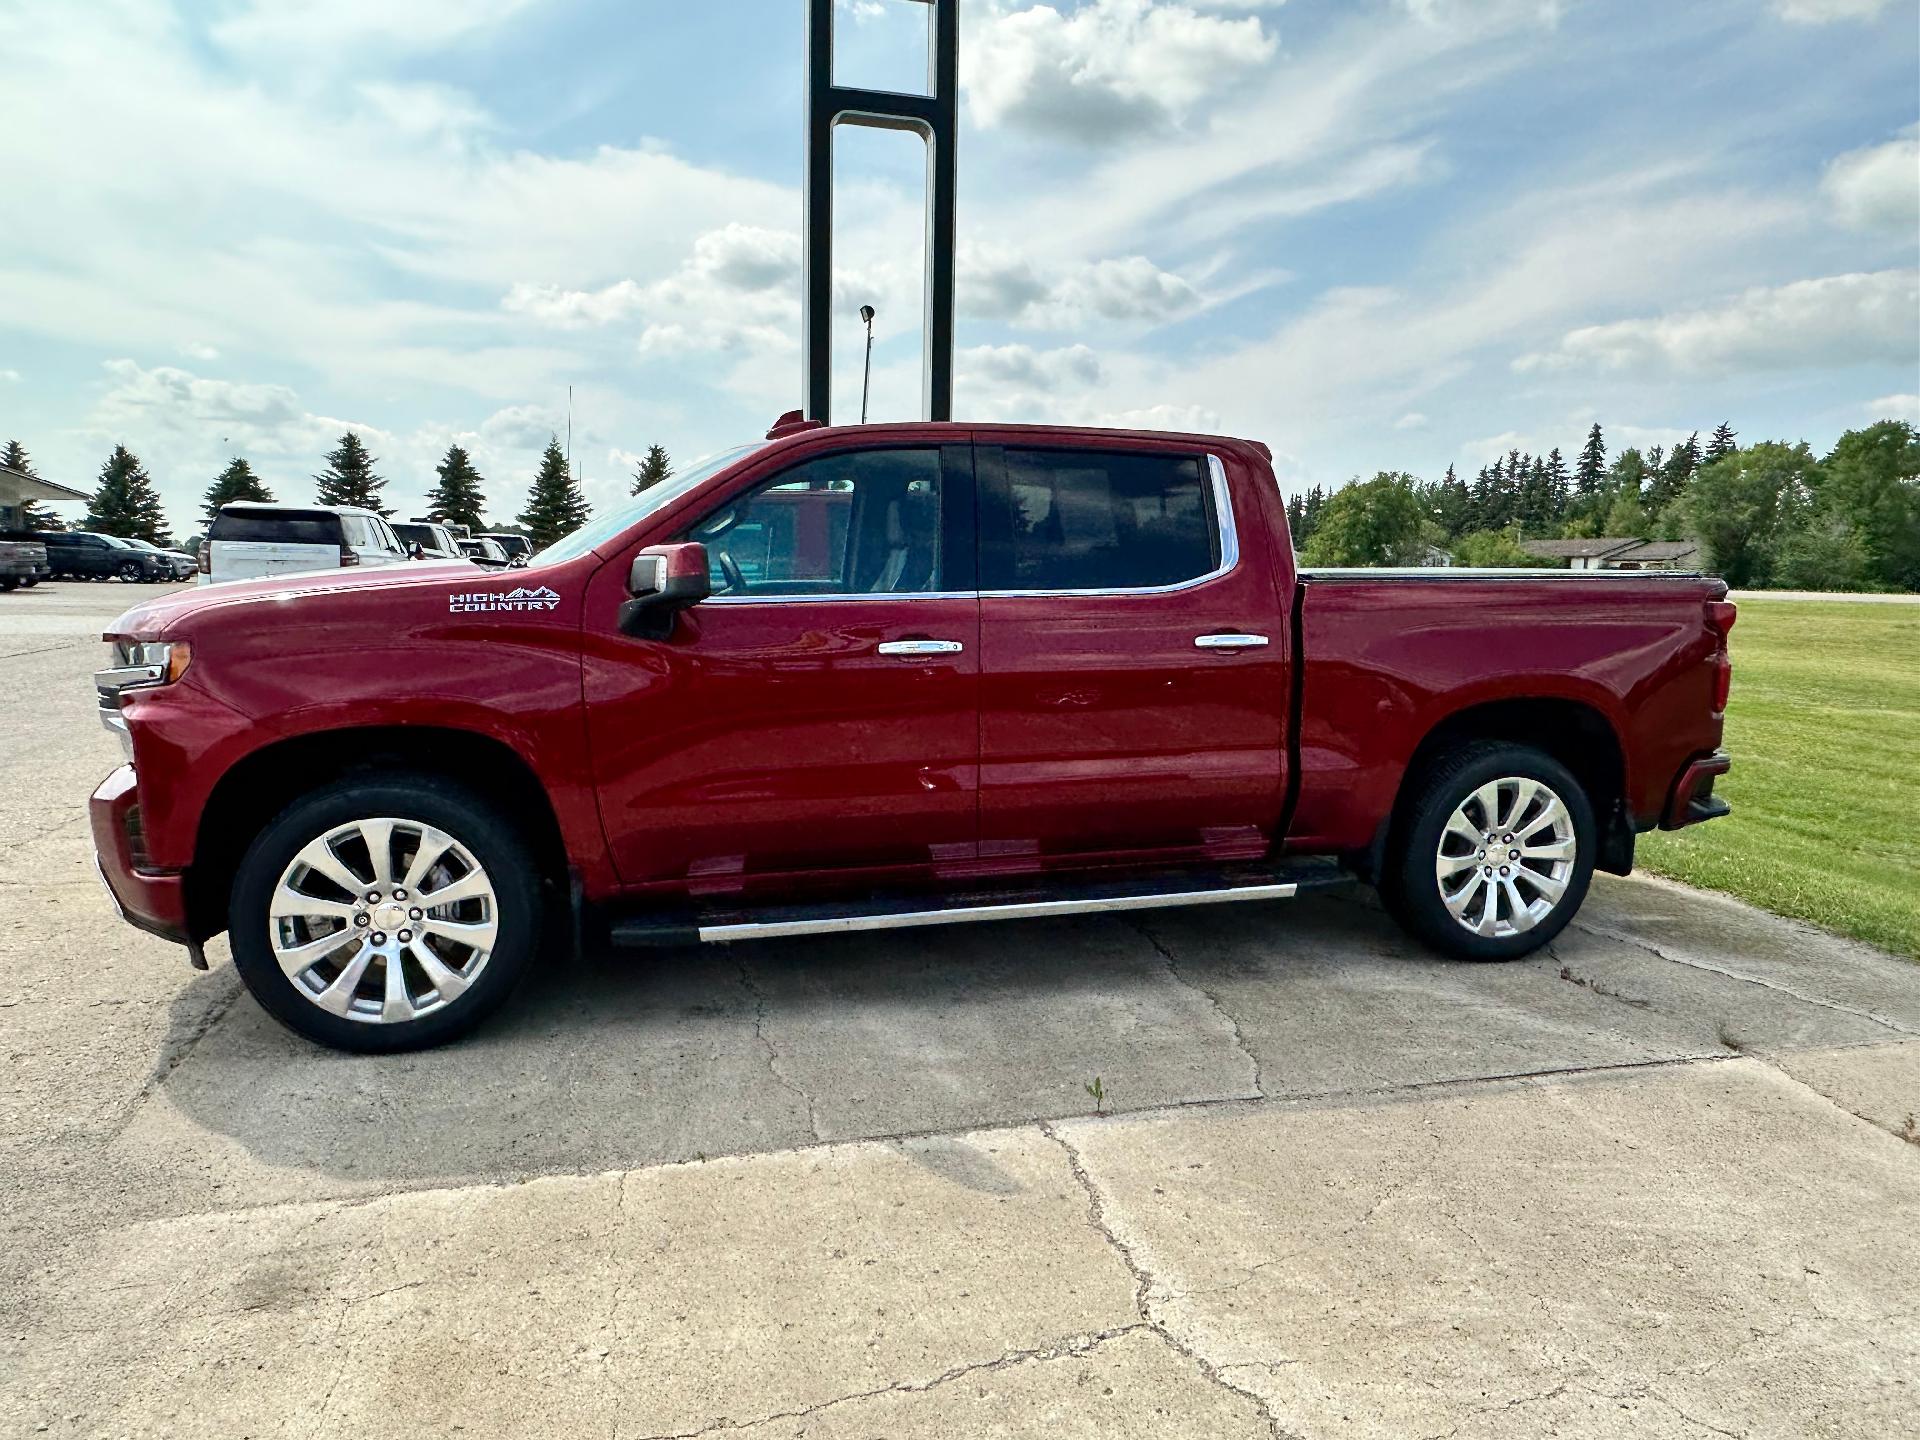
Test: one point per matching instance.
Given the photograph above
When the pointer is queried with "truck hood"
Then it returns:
(174, 615)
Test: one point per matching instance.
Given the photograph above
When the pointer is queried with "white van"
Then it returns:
(249, 540)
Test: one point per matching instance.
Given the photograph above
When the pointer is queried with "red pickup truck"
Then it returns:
(866, 677)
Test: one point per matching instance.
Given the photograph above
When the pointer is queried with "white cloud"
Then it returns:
(1006, 284)
(1103, 71)
(1894, 407)
(1022, 365)
(1412, 420)
(1825, 12)
(1878, 187)
(1835, 320)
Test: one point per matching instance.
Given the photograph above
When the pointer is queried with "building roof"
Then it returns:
(1663, 550)
(16, 488)
(1579, 549)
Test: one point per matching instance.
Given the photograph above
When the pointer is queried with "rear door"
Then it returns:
(1133, 659)
(819, 714)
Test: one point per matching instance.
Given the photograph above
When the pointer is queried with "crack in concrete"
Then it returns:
(780, 1076)
(1621, 937)
(1239, 1035)
(1072, 1346)
(1145, 1285)
(1780, 1068)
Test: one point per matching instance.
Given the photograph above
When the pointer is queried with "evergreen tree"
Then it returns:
(1722, 443)
(1452, 504)
(1296, 517)
(33, 515)
(555, 506)
(1540, 512)
(350, 478)
(458, 498)
(126, 503)
(1670, 480)
(1556, 487)
(1591, 472)
(654, 467)
(236, 482)
(1656, 461)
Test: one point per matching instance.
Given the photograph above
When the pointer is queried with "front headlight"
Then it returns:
(137, 665)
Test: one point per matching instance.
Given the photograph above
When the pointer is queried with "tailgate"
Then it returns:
(249, 559)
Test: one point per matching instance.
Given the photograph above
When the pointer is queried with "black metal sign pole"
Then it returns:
(933, 117)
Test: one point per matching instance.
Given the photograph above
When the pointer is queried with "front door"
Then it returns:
(819, 714)
(1133, 660)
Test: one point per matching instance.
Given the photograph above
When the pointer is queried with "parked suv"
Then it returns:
(183, 564)
(427, 540)
(248, 540)
(875, 676)
(84, 555)
(518, 548)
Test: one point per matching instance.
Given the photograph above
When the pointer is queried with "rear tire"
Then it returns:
(405, 973)
(1491, 853)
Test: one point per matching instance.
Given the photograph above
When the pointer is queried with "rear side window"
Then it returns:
(1097, 520)
(286, 527)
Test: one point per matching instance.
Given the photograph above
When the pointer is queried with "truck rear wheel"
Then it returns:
(385, 913)
(1492, 852)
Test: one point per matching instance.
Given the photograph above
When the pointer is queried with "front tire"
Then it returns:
(1492, 852)
(385, 914)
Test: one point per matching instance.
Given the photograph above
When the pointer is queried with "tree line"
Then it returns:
(126, 503)
(1769, 514)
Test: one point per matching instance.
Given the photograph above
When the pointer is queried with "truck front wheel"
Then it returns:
(1491, 853)
(385, 913)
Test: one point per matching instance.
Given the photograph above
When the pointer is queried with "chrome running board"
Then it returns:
(1025, 898)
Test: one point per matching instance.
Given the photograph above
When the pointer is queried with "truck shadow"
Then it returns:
(620, 1059)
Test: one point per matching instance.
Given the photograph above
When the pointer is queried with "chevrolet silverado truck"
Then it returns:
(865, 677)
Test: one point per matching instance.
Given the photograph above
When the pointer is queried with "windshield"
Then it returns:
(591, 535)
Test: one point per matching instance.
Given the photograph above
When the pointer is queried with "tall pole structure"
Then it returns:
(934, 117)
(866, 368)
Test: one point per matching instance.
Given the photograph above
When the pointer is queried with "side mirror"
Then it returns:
(663, 581)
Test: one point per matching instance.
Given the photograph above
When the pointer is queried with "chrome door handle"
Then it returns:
(1230, 642)
(920, 647)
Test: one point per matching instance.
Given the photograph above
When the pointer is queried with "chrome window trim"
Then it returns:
(1229, 562)
(1229, 554)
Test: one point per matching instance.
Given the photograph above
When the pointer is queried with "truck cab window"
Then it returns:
(863, 523)
(1098, 520)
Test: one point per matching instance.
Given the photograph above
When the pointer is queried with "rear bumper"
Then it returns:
(1691, 800)
(150, 900)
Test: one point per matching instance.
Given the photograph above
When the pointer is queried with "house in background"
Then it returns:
(1616, 553)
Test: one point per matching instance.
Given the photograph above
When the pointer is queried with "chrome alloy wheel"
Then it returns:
(383, 920)
(1505, 857)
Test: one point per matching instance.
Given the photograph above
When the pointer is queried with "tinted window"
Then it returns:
(286, 527)
(863, 523)
(1098, 520)
(417, 535)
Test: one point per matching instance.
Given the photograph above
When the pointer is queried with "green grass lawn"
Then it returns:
(1824, 726)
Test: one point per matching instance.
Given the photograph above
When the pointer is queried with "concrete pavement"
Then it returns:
(1656, 1182)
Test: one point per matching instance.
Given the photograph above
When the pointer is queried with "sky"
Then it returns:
(1376, 234)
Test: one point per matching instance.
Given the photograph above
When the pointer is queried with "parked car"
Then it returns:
(518, 547)
(974, 672)
(181, 562)
(85, 555)
(427, 540)
(485, 553)
(23, 560)
(249, 540)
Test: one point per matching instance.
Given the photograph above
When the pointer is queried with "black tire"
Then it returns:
(129, 572)
(1410, 886)
(487, 835)
(8, 584)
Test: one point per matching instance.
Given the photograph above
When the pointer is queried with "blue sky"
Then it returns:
(1374, 233)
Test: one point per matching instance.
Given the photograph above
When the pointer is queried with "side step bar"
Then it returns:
(1022, 901)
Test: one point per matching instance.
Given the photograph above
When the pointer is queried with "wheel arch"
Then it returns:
(261, 784)
(1574, 732)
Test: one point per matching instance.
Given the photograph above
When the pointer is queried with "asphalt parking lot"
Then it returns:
(1659, 1182)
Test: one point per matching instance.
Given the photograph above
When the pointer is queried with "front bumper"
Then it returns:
(1691, 800)
(148, 899)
